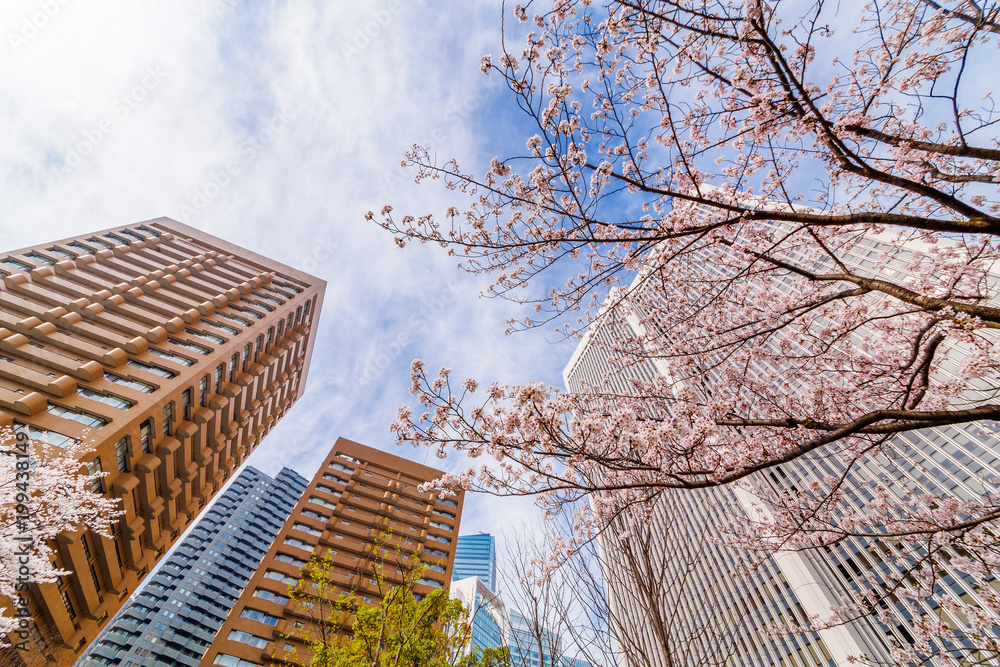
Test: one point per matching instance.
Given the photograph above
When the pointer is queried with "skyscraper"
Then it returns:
(175, 617)
(359, 499)
(178, 351)
(475, 556)
(702, 599)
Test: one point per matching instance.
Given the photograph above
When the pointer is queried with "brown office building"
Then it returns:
(173, 349)
(360, 495)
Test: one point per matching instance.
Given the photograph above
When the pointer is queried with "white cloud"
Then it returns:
(276, 125)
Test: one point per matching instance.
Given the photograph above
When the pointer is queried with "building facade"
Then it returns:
(360, 501)
(172, 350)
(476, 556)
(174, 619)
(728, 598)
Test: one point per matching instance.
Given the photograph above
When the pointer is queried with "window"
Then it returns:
(187, 398)
(222, 327)
(220, 373)
(123, 452)
(256, 349)
(147, 230)
(101, 242)
(226, 660)
(259, 304)
(247, 638)
(297, 290)
(155, 370)
(94, 471)
(305, 310)
(429, 582)
(234, 362)
(233, 318)
(442, 526)
(80, 246)
(270, 596)
(281, 324)
(448, 501)
(132, 235)
(137, 385)
(17, 264)
(68, 604)
(203, 385)
(146, 435)
(107, 399)
(270, 337)
(204, 335)
(289, 323)
(79, 416)
(188, 345)
(40, 258)
(62, 253)
(168, 419)
(307, 529)
(246, 357)
(170, 356)
(298, 314)
(280, 576)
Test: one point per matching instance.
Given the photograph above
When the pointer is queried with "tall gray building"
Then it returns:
(173, 620)
(672, 584)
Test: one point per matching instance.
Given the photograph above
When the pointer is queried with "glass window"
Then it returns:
(146, 435)
(188, 345)
(78, 416)
(62, 253)
(234, 362)
(81, 247)
(123, 452)
(212, 338)
(48, 437)
(41, 258)
(107, 399)
(168, 419)
(233, 318)
(17, 264)
(221, 327)
(94, 471)
(138, 385)
(187, 398)
(155, 370)
(203, 385)
(101, 242)
(270, 337)
(170, 356)
(256, 349)
(220, 373)
(147, 230)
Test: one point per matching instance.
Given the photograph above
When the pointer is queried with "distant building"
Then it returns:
(175, 352)
(175, 617)
(358, 496)
(487, 613)
(476, 556)
(493, 626)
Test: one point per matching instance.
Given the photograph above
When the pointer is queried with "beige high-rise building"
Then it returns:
(176, 352)
(359, 498)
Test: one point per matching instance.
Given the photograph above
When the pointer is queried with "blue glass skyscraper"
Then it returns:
(173, 620)
(475, 556)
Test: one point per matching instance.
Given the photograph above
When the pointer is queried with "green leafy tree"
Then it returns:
(347, 628)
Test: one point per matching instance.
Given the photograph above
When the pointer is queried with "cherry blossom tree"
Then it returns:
(44, 491)
(776, 224)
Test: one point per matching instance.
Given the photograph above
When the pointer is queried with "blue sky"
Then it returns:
(244, 118)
